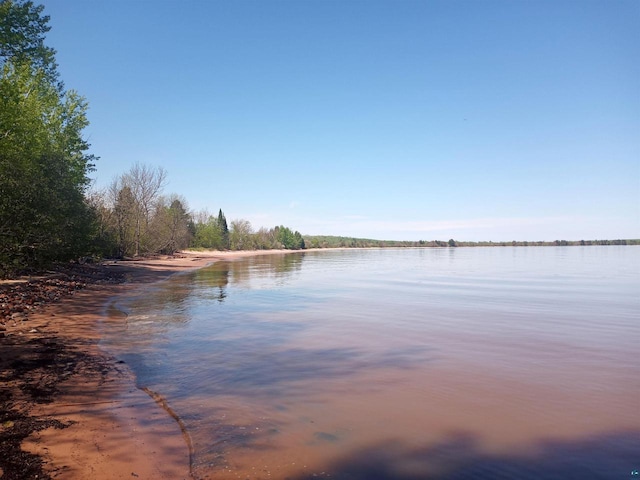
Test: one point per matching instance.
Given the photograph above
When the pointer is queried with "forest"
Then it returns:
(329, 241)
(133, 217)
(48, 211)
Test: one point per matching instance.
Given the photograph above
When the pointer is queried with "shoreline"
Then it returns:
(101, 425)
(95, 422)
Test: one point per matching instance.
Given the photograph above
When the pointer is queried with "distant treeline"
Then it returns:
(48, 213)
(555, 243)
(328, 241)
(133, 217)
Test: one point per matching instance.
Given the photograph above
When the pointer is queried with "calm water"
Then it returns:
(399, 364)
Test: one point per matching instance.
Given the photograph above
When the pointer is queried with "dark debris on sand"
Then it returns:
(18, 299)
(32, 366)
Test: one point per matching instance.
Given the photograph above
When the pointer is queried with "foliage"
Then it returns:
(324, 241)
(105, 237)
(43, 157)
(134, 218)
(22, 34)
(137, 193)
(210, 232)
(241, 235)
(288, 239)
(330, 241)
(170, 225)
(223, 229)
(265, 239)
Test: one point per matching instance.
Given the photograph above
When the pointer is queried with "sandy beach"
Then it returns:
(71, 410)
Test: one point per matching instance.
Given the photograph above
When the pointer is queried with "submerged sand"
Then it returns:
(486, 409)
(93, 422)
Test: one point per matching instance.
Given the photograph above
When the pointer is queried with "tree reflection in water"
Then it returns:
(174, 296)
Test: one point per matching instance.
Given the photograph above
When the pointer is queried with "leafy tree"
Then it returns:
(170, 225)
(22, 33)
(288, 239)
(124, 207)
(210, 231)
(265, 239)
(105, 240)
(135, 195)
(44, 163)
(241, 235)
(207, 234)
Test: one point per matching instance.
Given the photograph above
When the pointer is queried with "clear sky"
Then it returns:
(405, 120)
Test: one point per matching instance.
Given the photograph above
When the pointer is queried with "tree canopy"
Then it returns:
(22, 34)
(44, 164)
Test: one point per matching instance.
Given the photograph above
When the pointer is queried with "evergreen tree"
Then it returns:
(224, 230)
(298, 241)
(288, 239)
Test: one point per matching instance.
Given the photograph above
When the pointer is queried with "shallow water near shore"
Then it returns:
(448, 363)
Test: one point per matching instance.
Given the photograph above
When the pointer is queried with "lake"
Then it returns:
(435, 363)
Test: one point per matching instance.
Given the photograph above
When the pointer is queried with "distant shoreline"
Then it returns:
(328, 241)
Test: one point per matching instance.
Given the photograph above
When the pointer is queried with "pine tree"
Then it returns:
(224, 229)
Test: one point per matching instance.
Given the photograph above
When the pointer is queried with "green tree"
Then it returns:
(105, 240)
(241, 235)
(207, 234)
(210, 231)
(224, 230)
(170, 225)
(123, 210)
(136, 194)
(44, 163)
(289, 239)
(22, 33)
(265, 239)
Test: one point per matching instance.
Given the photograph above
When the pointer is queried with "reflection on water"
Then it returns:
(399, 364)
(216, 278)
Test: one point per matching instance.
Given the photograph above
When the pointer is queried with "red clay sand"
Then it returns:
(115, 430)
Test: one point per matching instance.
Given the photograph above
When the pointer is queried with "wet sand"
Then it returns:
(92, 421)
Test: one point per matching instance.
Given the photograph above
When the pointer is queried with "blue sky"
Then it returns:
(408, 120)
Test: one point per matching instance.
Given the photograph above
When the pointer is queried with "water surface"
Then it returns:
(449, 363)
